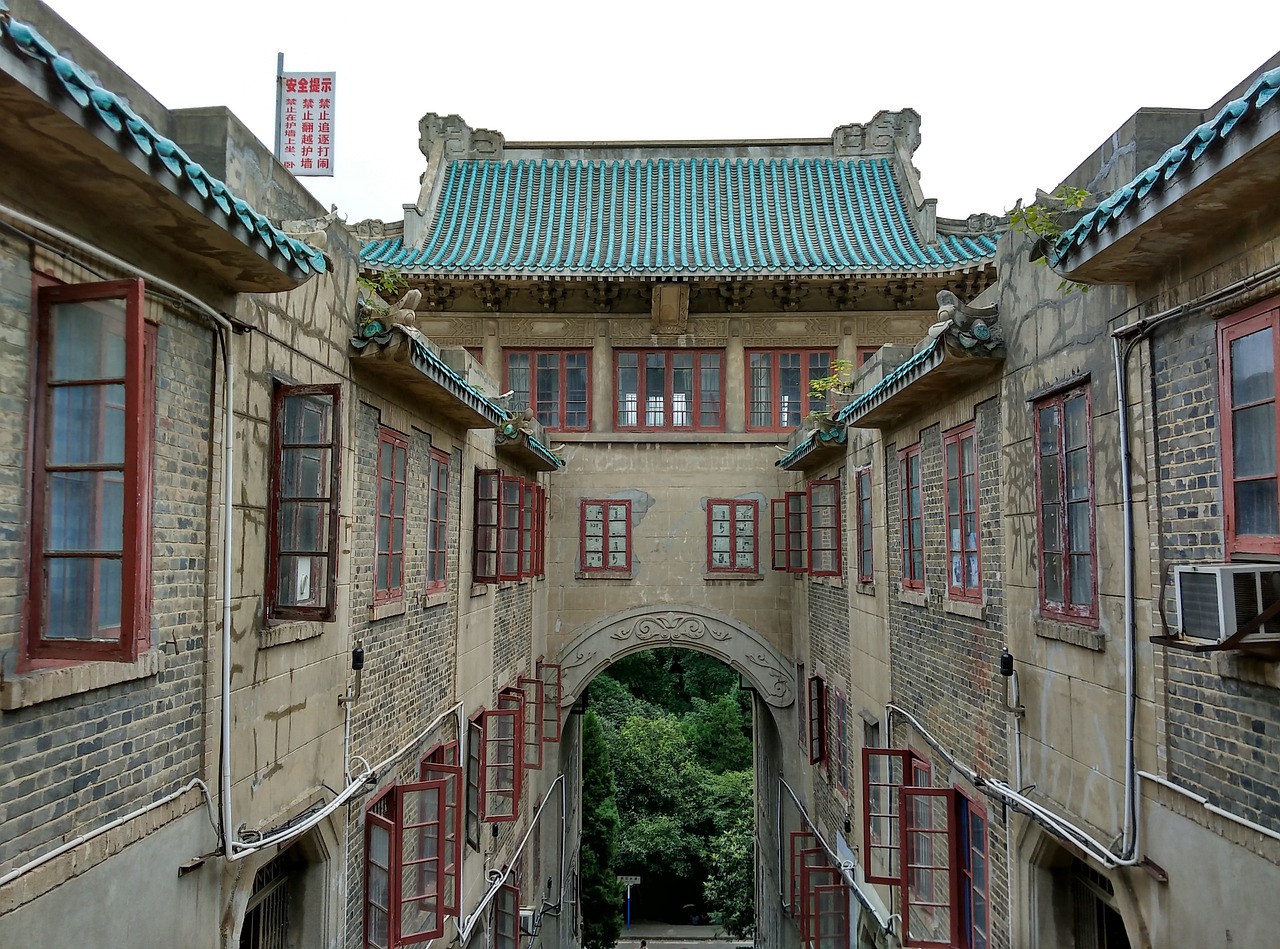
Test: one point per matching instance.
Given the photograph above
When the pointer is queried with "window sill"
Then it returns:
(715, 575)
(289, 631)
(480, 589)
(964, 608)
(386, 610)
(432, 600)
(604, 574)
(913, 597)
(1083, 636)
(45, 685)
(1246, 669)
(866, 589)
(834, 582)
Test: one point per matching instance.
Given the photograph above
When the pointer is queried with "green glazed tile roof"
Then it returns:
(1176, 163)
(675, 216)
(131, 131)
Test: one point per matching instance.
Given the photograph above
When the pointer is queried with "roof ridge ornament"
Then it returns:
(888, 133)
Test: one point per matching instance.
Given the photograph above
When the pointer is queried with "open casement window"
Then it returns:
(437, 521)
(829, 926)
(930, 888)
(442, 765)
(528, 511)
(866, 564)
(606, 536)
(534, 703)
(393, 457)
(510, 528)
(89, 572)
(801, 841)
(731, 536)
(500, 771)
(1064, 507)
(552, 693)
(816, 875)
(824, 528)
(302, 545)
(485, 561)
(403, 895)
(972, 862)
(474, 776)
(911, 518)
(1248, 353)
(885, 771)
(539, 530)
(778, 532)
(506, 917)
(797, 531)
(964, 573)
(817, 720)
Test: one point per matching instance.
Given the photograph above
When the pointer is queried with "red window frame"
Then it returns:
(733, 533)
(928, 845)
(973, 865)
(864, 354)
(511, 535)
(801, 841)
(964, 538)
(802, 732)
(441, 764)
(822, 501)
(765, 383)
(817, 720)
(608, 519)
(911, 517)
(894, 768)
(866, 560)
(474, 765)
(501, 768)
(437, 521)
(484, 562)
(1052, 534)
(1255, 319)
(506, 917)
(818, 878)
(705, 410)
(840, 747)
(412, 816)
(797, 531)
(392, 494)
(539, 530)
(129, 636)
(552, 693)
(545, 386)
(535, 698)
(322, 491)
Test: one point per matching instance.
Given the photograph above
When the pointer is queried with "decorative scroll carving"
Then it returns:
(619, 635)
(448, 136)
(370, 229)
(670, 309)
(315, 231)
(880, 135)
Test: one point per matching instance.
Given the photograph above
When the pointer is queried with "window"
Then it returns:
(731, 536)
(779, 387)
(817, 720)
(823, 504)
(865, 353)
(303, 544)
(535, 699)
(866, 566)
(1064, 495)
(824, 903)
(1247, 350)
(606, 536)
(670, 390)
(911, 518)
(393, 456)
(437, 521)
(802, 696)
(963, 554)
(840, 745)
(403, 893)
(441, 764)
(506, 917)
(510, 524)
(556, 385)
(973, 863)
(500, 765)
(552, 692)
(475, 758)
(89, 573)
(790, 534)
(884, 773)
(801, 841)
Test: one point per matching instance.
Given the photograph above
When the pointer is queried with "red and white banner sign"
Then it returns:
(304, 122)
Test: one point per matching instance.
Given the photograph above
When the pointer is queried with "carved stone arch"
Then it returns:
(733, 643)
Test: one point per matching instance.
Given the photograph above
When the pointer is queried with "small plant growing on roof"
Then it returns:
(1046, 220)
(376, 287)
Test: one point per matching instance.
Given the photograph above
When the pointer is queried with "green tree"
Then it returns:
(729, 889)
(719, 732)
(602, 893)
(615, 703)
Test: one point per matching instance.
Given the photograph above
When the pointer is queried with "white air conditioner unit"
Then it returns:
(1215, 600)
(528, 921)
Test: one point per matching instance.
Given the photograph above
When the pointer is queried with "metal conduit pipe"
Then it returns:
(846, 867)
(224, 330)
(1212, 808)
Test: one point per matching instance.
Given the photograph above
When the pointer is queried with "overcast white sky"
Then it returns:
(1012, 95)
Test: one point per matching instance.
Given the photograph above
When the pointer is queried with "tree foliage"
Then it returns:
(729, 889)
(601, 892)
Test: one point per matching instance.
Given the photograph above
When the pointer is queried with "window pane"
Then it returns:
(1256, 507)
(710, 386)
(1053, 577)
(1049, 430)
(304, 473)
(301, 581)
(304, 527)
(1253, 440)
(88, 340)
(88, 425)
(575, 383)
(1081, 579)
(1252, 372)
(549, 389)
(84, 510)
(308, 419)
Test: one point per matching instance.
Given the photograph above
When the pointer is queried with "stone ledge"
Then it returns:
(714, 575)
(964, 608)
(1246, 669)
(1083, 636)
(45, 685)
(387, 610)
(432, 600)
(604, 574)
(913, 597)
(866, 589)
(294, 632)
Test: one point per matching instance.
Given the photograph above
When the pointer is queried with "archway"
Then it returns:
(687, 627)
